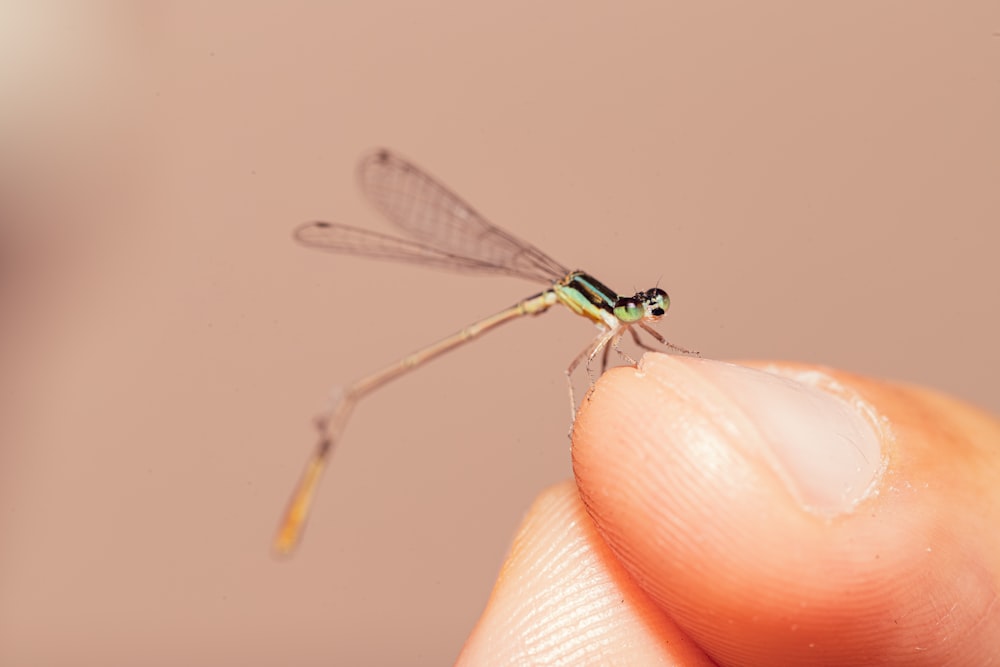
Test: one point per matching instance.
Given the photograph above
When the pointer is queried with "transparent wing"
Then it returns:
(438, 218)
(335, 237)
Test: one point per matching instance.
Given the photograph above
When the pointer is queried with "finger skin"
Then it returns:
(706, 528)
(562, 598)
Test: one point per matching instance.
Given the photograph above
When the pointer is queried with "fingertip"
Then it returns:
(766, 518)
(562, 598)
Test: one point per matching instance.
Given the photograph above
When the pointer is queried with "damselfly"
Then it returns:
(448, 233)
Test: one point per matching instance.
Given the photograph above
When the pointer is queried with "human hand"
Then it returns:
(722, 515)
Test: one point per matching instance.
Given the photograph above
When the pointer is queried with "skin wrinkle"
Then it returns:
(543, 607)
(545, 611)
(625, 555)
(533, 614)
(591, 611)
(675, 477)
(566, 635)
(566, 638)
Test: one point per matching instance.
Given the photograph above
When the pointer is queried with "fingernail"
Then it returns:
(823, 440)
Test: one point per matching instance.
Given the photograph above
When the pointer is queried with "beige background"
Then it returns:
(812, 183)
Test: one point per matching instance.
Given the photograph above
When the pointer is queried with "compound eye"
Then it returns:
(657, 301)
(629, 309)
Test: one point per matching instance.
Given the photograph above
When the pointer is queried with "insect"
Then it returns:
(446, 232)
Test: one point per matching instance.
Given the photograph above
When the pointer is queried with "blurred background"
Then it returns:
(813, 182)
